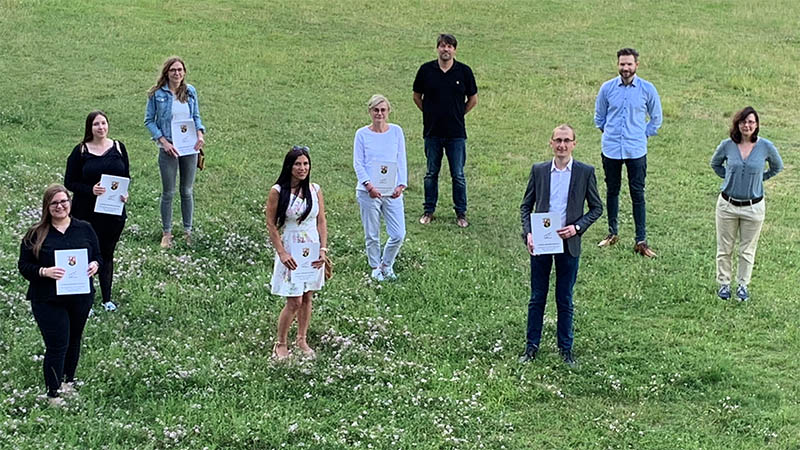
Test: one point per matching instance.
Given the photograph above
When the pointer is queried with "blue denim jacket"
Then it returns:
(158, 114)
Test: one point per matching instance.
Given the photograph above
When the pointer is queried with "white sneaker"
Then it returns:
(110, 306)
(388, 274)
(377, 275)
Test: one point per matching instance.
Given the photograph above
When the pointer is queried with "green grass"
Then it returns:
(429, 361)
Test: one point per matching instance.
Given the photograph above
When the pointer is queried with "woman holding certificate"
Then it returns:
(298, 231)
(379, 159)
(740, 161)
(58, 256)
(173, 119)
(98, 173)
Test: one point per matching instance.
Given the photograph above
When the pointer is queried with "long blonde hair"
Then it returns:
(163, 78)
(36, 235)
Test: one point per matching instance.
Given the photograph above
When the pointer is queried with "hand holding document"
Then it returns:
(76, 271)
(383, 175)
(110, 202)
(546, 240)
(184, 137)
(305, 253)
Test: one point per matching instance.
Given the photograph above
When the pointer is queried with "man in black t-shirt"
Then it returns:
(445, 90)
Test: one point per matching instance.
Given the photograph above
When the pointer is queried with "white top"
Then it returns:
(371, 148)
(180, 111)
(559, 189)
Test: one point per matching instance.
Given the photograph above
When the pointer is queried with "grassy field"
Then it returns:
(429, 361)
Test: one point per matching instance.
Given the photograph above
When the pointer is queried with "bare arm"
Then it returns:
(472, 100)
(418, 100)
(322, 229)
(272, 227)
(322, 222)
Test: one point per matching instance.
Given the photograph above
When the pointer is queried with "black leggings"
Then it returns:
(108, 231)
(61, 322)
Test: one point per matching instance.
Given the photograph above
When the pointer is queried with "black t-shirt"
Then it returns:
(444, 98)
(83, 172)
(79, 234)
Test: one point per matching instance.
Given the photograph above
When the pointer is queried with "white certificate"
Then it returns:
(111, 201)
(184, 136)
(546, 240)
(76, 265)
(304, 253)
(383, 176)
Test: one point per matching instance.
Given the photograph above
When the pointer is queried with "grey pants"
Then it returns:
(168, 166)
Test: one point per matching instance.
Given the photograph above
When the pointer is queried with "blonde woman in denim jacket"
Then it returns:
(171, 99)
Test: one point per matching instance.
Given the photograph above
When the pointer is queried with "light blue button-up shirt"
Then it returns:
(559, 189)
(620, 112)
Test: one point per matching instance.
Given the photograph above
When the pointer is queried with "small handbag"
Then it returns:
(201, 160)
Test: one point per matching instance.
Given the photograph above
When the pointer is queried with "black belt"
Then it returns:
(741, 202)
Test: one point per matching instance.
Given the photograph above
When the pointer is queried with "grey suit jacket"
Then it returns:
(582, 188)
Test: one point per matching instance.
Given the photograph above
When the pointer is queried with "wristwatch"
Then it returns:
(577, 228)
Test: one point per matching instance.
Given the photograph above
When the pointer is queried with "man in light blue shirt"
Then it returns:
(621, 110)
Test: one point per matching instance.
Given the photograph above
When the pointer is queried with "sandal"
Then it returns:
(276, 355)
(303, 346)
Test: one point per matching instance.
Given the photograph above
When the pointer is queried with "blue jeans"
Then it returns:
(566, 274)
(456, 151)
(637, 171)
(169, 171)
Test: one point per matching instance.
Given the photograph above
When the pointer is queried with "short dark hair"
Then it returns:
(448, 39)
(628, 51)
(741, 116)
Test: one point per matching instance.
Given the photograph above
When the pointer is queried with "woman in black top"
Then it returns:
(61, 318)
(94, 156)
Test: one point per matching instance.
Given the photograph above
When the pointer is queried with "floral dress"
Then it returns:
(306, 231)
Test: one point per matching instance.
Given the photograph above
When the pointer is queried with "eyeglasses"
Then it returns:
(61, 203)
(300, 147)
(175, 70)
(563, 141)
(381, 110)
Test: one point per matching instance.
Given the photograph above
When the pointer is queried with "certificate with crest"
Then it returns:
(383, 175)
(76, 265)
(111, 202)
(304, 253)
(184, 136)
(546, 240)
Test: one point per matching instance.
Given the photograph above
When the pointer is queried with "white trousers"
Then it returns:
(393, 214)
(744, 222)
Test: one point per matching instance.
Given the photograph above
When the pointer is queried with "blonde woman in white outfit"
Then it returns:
(378, 148)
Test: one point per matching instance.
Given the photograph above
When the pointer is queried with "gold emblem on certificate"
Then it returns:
(110, 202)
(544, 229)
(383, 175)
(76, 266)
(304, 253)
(184, 137)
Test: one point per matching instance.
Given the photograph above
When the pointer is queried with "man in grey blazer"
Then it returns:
(558, 186)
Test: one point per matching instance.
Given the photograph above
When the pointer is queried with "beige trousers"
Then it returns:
(744, 221)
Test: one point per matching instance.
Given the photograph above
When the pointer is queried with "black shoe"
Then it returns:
(529, 355)
(566, 355)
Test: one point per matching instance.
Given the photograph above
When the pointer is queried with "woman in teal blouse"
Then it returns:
(741, 161)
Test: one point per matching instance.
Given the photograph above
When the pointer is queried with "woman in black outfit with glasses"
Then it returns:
(61, 318)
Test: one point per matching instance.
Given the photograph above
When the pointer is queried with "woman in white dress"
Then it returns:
(379, 151)
(295, 214)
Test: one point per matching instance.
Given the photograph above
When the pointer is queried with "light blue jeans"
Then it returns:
(168, 166)
(394, 215)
